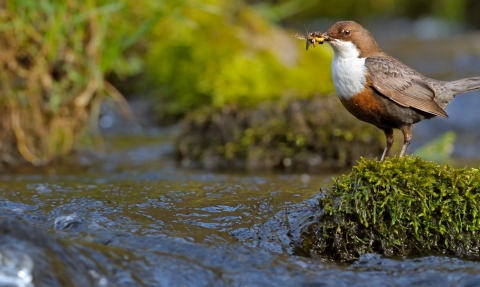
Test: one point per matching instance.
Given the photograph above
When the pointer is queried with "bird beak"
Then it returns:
(326, 37)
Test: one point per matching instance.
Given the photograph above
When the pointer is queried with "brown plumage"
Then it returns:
(380, 90)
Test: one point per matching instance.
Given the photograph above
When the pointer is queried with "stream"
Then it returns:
(134, 219)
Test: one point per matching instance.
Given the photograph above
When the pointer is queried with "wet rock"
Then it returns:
(306, 135)
(70, 221)
(30, 257)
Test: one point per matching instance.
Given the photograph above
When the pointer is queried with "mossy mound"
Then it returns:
(402, 206)
(296, 135)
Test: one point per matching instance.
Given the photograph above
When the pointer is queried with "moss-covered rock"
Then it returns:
(295, 134)
(402, 206)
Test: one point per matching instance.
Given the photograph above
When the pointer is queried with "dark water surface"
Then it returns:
(134, 219)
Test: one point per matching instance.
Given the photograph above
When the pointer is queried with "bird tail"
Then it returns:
(464, 85)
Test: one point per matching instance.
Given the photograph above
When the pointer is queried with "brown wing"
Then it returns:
(402, 85)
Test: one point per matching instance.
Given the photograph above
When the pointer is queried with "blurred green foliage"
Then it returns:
(55, 56)
(58, 55)
(217, 52)
(439, 149)
(452, 10)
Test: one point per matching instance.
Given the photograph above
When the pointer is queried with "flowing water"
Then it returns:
(134, 219)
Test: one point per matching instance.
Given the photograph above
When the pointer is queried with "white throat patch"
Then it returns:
(348, 70)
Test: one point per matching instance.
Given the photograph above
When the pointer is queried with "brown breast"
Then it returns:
(365, 106)
(371, 107)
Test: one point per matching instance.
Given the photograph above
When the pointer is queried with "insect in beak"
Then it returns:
(311, 38)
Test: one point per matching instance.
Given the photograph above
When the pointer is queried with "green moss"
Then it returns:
(402, 206)
(289, 134)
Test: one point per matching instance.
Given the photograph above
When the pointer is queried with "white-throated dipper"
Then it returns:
(378, 89)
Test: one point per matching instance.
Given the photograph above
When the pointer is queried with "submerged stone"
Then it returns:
(401, 206)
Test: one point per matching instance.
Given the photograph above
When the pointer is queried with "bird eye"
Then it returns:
(346, 32)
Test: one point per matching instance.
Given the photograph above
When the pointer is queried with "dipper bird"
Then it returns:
(380, 90)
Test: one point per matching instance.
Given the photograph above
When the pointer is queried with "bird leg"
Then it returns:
(407, 138)
(389, 136)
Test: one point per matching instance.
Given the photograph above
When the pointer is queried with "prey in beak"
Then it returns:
(311, 38)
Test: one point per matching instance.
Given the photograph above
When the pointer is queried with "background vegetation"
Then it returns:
(288, 10)
(54, 59)
(221, 52)
(59, 58)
